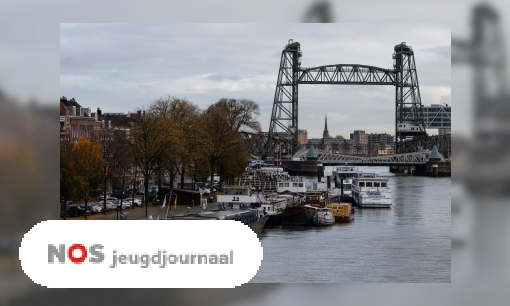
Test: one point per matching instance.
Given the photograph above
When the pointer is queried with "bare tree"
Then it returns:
(105, 138)
(241, 114)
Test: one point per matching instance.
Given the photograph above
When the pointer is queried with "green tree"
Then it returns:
(67, 173)
(150, 141)
(222, 141)
(240, 117)
(187, 134)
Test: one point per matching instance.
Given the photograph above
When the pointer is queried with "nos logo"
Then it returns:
(77, 253)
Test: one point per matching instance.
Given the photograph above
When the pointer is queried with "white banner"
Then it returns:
(236, 198)
(140, 254)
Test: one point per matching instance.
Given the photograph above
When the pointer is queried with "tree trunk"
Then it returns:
(133, 194)
(212, 175)
(182, 175)
(104, 193)
(65, 207)
(194, 177)
(86, 207)
(146, 193)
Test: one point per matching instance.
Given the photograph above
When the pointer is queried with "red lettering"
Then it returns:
(77, 260)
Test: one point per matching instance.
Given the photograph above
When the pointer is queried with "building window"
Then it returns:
(300, 184)
(376, 184)
(369, 184)
(383, 184)
(361, 184)
(294, 184)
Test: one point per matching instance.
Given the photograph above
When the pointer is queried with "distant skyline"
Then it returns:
(119, 67)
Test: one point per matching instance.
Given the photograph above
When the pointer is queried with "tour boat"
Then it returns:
(371, 191)
(345, 174)
(237, 203)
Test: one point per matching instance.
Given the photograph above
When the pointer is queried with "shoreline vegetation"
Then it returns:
(169, 138)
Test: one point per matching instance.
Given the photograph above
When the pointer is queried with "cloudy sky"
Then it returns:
(119, 67)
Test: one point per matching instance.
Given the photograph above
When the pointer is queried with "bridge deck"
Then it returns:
(415, 158)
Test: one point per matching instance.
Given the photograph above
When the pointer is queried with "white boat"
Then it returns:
(291, 184)
(371, 191)
(322, 215)
(273, 205)
(237, 203)
(267, 167)
(347, 173)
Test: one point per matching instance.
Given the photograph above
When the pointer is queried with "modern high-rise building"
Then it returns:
(436, 116)
(360, 137)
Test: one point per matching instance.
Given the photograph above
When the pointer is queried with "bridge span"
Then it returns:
(404, 159)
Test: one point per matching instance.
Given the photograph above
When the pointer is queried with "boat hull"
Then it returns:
(275, 219)
(347, 218)
(374, 205)
(323, 219)
(373, 202)
(258, 225)
(297, 215)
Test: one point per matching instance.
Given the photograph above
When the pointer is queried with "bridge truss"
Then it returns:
(283, 127)
(415, 158)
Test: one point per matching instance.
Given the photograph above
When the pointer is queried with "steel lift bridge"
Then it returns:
(404, 159)
(409, 124)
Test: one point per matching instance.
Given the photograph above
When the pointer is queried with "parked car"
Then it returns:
(136, 202)
(102, 195)
(81, 210)
(126, 204)
(112, 199)
(110, 206)
(96, 207)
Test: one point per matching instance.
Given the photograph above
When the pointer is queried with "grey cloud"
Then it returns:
(217, 77)
(141, 62)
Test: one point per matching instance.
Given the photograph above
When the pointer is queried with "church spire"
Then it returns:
(325, 134)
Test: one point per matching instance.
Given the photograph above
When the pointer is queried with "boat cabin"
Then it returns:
(237, 190)
(316, 197)
(370, 182)
(291, 184)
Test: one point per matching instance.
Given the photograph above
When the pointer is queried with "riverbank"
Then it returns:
(138, 213)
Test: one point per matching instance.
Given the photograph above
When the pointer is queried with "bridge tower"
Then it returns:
(284, 118)
(409, 121)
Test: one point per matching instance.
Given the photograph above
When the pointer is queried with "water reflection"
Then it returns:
(409, 242)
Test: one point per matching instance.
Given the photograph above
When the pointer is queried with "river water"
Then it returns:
(409, 242)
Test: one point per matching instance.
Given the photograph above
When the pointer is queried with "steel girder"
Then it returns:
(442, 142)
(347, 74)
(256, 144)
(284, 118)
(415, 158)
(407, 96)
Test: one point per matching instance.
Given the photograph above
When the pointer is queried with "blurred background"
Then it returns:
(29, 159)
